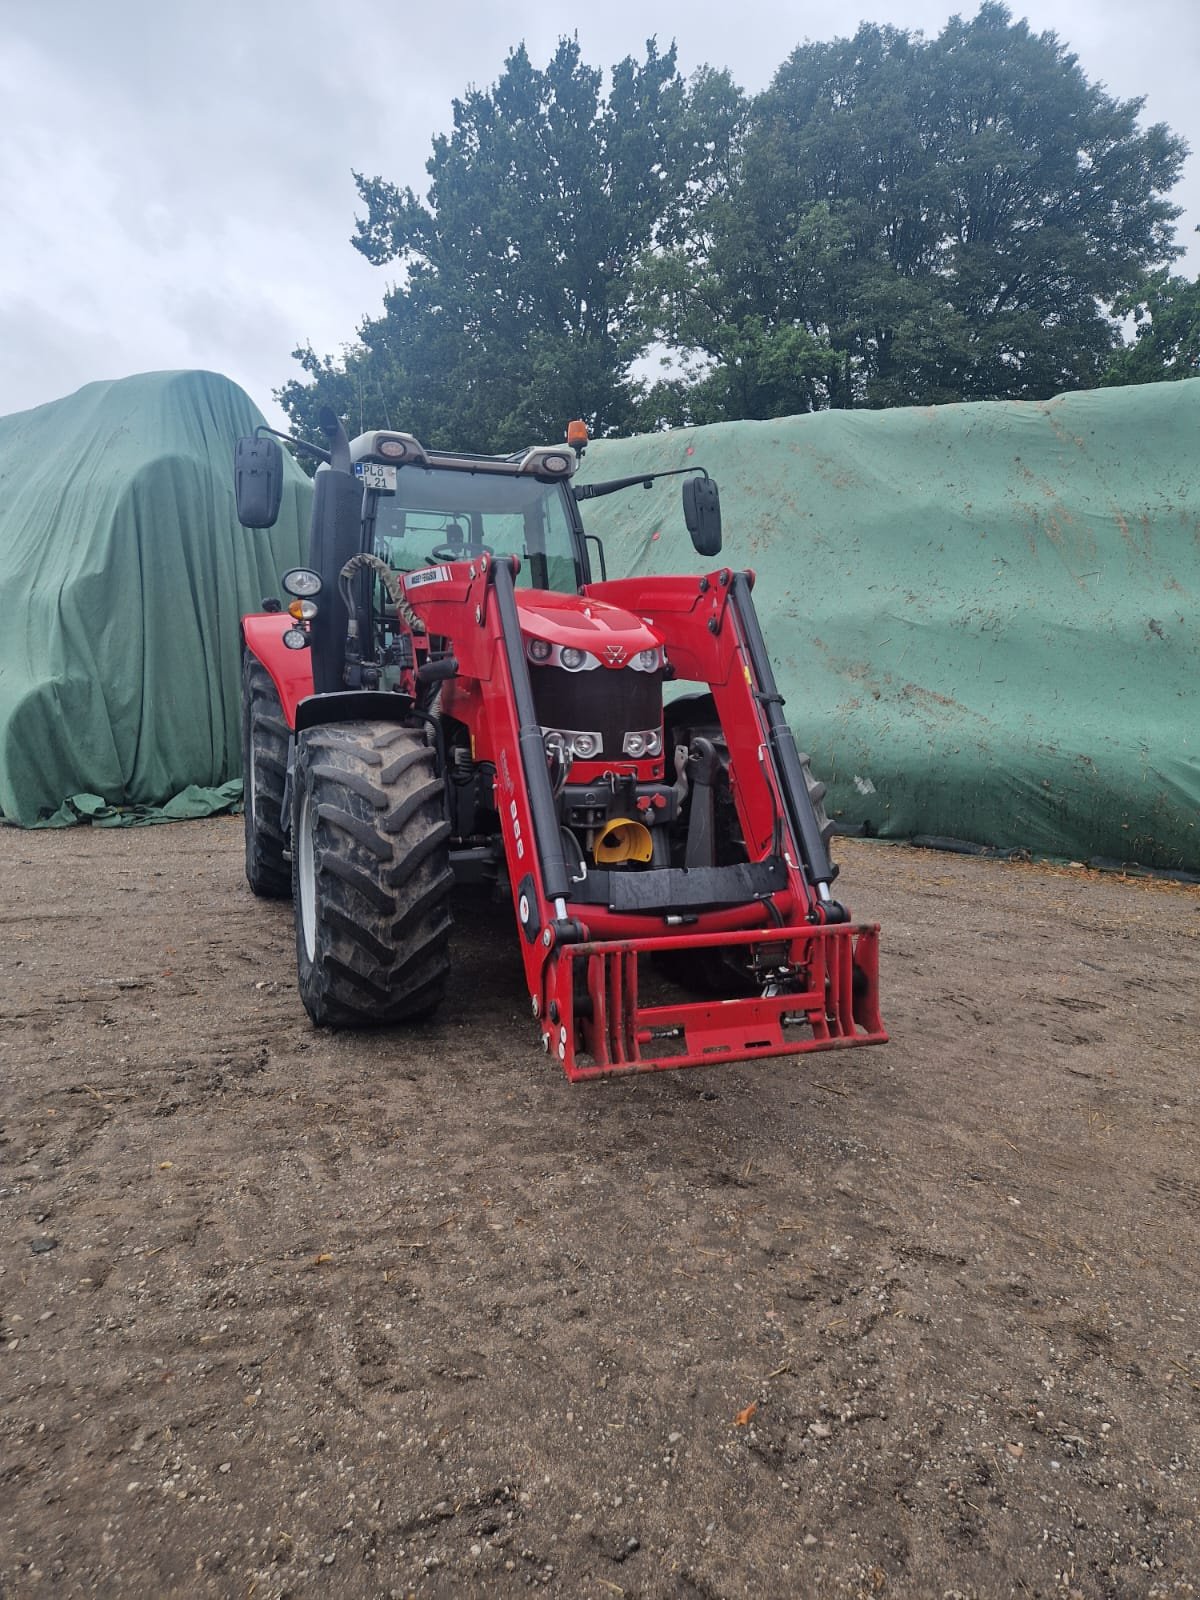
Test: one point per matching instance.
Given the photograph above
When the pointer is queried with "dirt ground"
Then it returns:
(287, 1313)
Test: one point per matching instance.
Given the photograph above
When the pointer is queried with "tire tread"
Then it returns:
(265, 739)
(382, 876)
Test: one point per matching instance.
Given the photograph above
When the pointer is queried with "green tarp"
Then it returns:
(983, 617)
(123, 572)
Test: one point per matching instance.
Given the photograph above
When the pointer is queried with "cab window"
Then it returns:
(440, 515)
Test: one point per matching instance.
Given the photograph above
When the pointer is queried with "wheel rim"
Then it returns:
(306, 878)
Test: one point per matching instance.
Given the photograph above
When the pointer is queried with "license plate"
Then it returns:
(375, 475)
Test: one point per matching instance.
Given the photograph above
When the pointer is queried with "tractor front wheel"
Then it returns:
(264, 773)
(371, 875)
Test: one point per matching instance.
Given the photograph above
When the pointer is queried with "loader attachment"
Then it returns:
(829, 1001)
(587, 930)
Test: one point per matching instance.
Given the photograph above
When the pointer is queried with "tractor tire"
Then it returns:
(371, 876)
(816, 793)
(264, 775)
(692, 719)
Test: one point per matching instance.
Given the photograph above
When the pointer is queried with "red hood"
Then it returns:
(611, 634)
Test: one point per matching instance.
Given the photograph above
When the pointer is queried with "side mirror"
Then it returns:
(702, 513)
(258, 481)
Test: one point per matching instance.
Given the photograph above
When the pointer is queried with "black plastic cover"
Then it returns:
(702, 513)
(257, 481)
(666, 890)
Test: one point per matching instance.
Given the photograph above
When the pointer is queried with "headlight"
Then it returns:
(638, 744)
(546, 460)
(303, 610)
(301, 581)
(647, 661)
(295, 639)
(577, 660)
(572, 746)
(568, 656)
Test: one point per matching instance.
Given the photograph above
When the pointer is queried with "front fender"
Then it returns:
(291, 670)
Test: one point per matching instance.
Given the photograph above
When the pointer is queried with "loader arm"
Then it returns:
(583, 935)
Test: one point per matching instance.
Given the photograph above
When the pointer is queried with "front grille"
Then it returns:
(602, 701)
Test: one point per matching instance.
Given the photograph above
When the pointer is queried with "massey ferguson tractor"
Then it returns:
(452, 693)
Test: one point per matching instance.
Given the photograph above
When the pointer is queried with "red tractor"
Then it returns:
(452, 695)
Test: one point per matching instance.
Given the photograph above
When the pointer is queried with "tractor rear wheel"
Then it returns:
(371, 875)
(264, 774)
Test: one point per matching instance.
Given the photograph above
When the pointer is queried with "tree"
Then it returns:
(911, 221)
(514, 312)
(894, 221)
(1166, 342)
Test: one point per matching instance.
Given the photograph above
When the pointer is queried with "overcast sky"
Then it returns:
(175, 182)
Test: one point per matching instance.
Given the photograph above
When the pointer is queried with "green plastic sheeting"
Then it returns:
(123, 573)
(983, 617)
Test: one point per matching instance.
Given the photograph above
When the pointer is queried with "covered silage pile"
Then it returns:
(123, 572)
(983, 617)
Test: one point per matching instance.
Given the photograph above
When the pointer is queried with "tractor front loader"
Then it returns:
(452, 696)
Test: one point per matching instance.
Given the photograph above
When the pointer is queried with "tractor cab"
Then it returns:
(434, 508)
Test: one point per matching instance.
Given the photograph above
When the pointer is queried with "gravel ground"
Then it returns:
(288, 1313)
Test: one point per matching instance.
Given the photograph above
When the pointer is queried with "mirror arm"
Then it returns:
(288, 438)
(593, 491)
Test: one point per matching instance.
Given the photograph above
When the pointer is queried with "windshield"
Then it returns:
(444, 515)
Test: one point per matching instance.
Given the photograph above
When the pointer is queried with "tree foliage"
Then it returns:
(514, 313)
(894, 221)
(1166, 343)
(914, 221)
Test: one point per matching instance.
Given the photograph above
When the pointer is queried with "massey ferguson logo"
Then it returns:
(615, 654)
